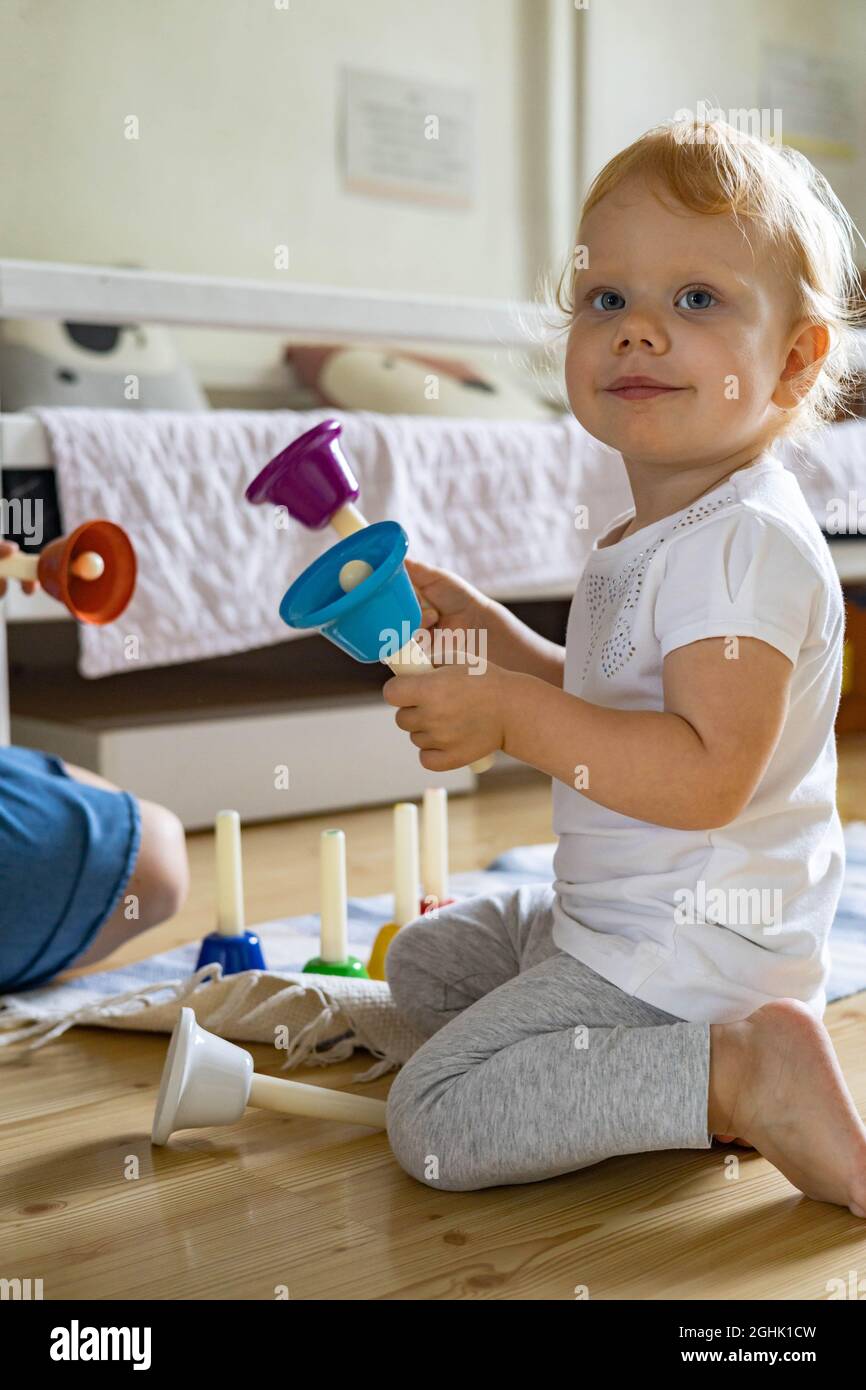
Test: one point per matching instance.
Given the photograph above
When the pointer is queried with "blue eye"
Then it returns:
(697, 294)
(609, 301)
(607, 295)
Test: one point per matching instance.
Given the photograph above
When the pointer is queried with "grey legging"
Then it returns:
(534, 1065)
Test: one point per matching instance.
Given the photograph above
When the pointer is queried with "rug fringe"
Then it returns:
(311, 1046)
(47, 1029)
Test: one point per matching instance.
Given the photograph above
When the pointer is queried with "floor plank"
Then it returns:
(323, 1210)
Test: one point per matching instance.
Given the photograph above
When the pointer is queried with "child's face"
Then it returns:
(682, 298)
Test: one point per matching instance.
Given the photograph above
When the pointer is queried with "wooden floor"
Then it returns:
(322, 1209)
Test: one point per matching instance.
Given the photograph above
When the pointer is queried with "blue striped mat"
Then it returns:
(290, 941)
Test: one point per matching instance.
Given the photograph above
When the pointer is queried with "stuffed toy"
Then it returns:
(393, 381)
(115, 366)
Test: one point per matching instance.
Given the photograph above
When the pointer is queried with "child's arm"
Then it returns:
(447, 601)
(514, 645)
(692, 766)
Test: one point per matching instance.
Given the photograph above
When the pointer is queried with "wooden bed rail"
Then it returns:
(103, 294)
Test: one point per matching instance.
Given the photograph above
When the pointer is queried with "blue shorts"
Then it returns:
(67, 852)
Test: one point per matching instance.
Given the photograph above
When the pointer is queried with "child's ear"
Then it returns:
(802, 365)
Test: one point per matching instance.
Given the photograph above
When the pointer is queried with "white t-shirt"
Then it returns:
(710, 924)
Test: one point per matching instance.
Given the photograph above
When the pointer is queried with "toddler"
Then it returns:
(669, 986)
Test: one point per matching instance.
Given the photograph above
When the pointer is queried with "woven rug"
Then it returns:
(318, 1019)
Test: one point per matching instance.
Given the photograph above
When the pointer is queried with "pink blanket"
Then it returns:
(494, 501)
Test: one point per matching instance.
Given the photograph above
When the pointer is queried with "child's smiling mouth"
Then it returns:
(639, 388)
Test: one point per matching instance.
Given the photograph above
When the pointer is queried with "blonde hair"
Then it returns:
(711, 167)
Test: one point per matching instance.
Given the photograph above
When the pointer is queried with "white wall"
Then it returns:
(237, 103)
(238, 107)
(642, 63)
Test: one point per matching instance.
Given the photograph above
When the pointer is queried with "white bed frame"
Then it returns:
(383, 767)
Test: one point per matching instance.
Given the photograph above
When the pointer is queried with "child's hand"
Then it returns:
(28, 585)
(454, 714)
(447, 601)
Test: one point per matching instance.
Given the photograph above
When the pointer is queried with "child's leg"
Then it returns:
(552, 1071)
(775, 1079)
(438, 966)
(83, 866)
(508, 1090)
(158, 884)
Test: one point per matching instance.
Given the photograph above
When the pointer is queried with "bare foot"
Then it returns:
(732, 1139)
(786, 1095)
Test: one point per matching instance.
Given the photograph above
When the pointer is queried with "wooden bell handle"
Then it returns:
(19, 566)
(347, 520)
(88, 565)
(321, 1102)
(412, 660)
